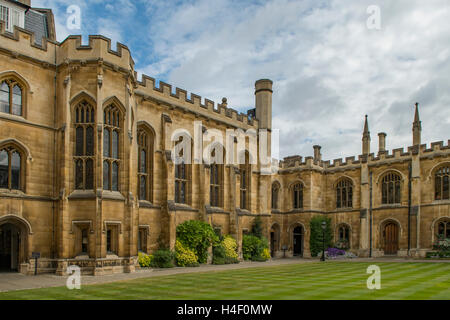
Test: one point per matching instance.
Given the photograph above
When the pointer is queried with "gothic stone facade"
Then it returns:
(88, 177)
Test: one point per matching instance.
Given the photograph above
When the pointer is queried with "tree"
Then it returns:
(316, 237)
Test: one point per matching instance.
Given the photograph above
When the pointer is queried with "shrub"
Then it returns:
(144, 260)
(197, 236)
(225, 252)
(316, 237)
(219, 254)
(230, 245)
(162, 258)
(253, 248)
(185, 257)
(257, 229)
(266, 254)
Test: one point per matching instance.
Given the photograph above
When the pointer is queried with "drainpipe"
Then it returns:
(370, 217)
(409, 208)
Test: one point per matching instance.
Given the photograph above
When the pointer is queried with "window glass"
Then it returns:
(115, 176)
(4, 97)
(17, 101)
(4, 169)
(105, 175)
(15, 171)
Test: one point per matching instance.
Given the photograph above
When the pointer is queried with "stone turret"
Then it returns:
(417, 127)
(366, 139)
(263, 103)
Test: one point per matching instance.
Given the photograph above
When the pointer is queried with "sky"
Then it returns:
(330, 61)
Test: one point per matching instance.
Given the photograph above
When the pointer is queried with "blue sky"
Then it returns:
(328, 68)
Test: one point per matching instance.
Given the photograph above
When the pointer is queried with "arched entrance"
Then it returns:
(391, 238)
(13, 242)
(297, 243)
(274, 239)
(9, 247)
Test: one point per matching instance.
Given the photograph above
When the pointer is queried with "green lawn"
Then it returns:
(330, 280)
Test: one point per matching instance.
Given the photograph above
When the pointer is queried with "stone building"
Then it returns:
(89, 175)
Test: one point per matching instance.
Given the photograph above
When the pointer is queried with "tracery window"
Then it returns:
(245, 170)
(145, 164)
(442, 189)
(297, 195)
(390, 188)
(11, 97)
(10, 168)
(181, 181)
(84, 146)
(112, 120)
(343, 237)
(344, 194)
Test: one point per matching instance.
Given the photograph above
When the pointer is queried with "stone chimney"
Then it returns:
(317, 154)
(263, 103)
(381, 142)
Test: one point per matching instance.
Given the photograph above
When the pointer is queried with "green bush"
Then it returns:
(226, 251)
(185, 257)
(163, 258)
(253, 248)
(316, 237)
(257, 228)
(197, 236)
(230, 245)
(144, 260)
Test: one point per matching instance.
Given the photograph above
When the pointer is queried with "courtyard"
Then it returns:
(285, 279)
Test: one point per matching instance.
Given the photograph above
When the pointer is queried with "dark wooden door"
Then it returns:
(298, 241)
(391, 238)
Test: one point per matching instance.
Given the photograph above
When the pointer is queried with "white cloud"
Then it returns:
(329, 70)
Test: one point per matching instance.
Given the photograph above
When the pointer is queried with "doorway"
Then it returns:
(274, 240)
(390, 235)
(298, 241)
(10, 238)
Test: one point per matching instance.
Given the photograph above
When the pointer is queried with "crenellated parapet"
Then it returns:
(398, 155)
(99, 47)
(180, 98)
(21, 44)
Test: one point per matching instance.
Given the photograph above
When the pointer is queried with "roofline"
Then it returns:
(20, 4)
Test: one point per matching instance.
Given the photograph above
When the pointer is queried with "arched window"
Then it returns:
(112, 120)
(344, 194)
(145, 164)
(84, 146)
(297, 196)
(245, 185)
(443, 230)
(390, 188)
(181, 181)
(343, 237)
(216, 178)
(215, 185)
(11, 97)
(275, 192)
(442, 189)
(182, 170)
(11, 174)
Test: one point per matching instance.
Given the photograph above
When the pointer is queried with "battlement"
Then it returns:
(396, 155)
(193, 102)
(21, 43)
(99, 47)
